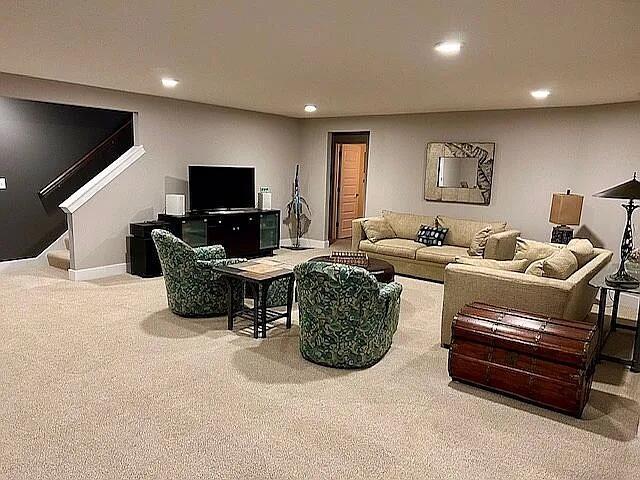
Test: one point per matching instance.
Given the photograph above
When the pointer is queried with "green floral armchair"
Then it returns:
(194, 289)
(347, 319)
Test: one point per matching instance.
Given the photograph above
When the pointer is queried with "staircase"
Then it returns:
(60, 258)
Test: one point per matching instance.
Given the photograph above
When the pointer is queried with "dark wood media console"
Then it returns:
(242, 233)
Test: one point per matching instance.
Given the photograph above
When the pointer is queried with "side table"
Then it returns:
(259, 274)
(599, 282)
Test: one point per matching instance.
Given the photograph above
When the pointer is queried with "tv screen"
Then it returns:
(221, 187)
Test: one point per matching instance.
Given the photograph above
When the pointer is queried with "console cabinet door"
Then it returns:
(217, 231)
(269, 230)
(244, 235)
(194, 232)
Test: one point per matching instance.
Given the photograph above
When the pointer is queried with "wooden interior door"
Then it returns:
(351, 186)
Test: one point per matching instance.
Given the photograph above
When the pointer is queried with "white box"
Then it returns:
(264, 200)
(174, 204)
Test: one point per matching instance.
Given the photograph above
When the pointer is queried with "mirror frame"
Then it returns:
(483, 152)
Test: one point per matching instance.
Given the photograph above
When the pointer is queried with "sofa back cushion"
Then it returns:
(582, 249)
(461, 232)
(406, 225)
(377, 228)
(533, 250)
(560, 265)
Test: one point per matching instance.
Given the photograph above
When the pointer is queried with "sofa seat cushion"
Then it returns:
(443, 255)
(395, 247)
(406, 225)
(461, 232)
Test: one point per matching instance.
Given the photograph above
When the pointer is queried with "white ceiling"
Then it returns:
(349, 57)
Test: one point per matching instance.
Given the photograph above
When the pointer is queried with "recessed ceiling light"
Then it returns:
(448, 48)
(169, 82)
(540, 94)
(310, 108)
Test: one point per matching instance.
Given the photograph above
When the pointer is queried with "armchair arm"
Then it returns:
(464, 284)
(357, 233)
(210, 252)
(502, 245)
(220, 262)
(390, 299)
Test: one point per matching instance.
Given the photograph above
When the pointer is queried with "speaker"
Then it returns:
(142, 257)
(143, 229)
(264, 200)
(174, 204)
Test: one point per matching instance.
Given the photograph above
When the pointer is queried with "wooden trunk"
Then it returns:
(543, 360)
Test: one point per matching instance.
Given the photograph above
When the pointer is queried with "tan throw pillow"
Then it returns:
(479, 241)
(508, 265)
(406, 225)
(532, 250)
(560, 265)
(582, 249)
(461, 232)
(377, 228)
(534, 268)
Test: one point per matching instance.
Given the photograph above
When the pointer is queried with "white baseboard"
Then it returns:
(306, 242)
(85, 274)
(41, 260)
(14, 265)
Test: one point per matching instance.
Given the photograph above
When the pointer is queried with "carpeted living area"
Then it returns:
(99, 380)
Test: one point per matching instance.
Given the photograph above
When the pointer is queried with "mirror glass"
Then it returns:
(457, 172)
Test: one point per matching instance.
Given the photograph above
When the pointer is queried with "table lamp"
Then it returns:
(566, 209)
(628, 191)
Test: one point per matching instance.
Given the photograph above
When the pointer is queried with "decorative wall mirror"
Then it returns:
(459, 172)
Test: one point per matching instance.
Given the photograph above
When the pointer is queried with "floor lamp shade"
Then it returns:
(566, 209)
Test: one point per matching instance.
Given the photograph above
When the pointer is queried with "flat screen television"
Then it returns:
(221, 187)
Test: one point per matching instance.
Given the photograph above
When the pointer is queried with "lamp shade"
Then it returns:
(566, 209)
(629, 190)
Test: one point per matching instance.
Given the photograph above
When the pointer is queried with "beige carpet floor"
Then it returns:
(98, 380)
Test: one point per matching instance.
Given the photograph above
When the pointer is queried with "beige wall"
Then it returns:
(538, 152)
(174, 134)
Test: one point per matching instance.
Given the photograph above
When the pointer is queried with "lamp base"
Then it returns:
(621, 279)
(561, 234)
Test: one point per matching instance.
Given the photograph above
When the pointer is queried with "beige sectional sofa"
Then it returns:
(416, 259)
(570, 299)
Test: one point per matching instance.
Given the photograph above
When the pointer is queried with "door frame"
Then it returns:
(342, 138)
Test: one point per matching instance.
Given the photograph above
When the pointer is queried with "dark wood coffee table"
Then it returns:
(259, 274)
(382, 270)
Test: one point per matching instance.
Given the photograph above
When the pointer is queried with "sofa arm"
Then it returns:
(210, 252)
(502, 245)
(357, 233)
(464, 284)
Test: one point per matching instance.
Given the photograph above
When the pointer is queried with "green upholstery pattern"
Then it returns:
(347, 319)
(277, 293)
(194, 289)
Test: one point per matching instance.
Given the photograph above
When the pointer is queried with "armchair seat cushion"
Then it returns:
(396, 247)
(443, 255)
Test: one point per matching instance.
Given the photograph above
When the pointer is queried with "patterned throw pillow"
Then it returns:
(432, 236)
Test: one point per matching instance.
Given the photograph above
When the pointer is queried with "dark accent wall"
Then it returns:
(39, 141)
